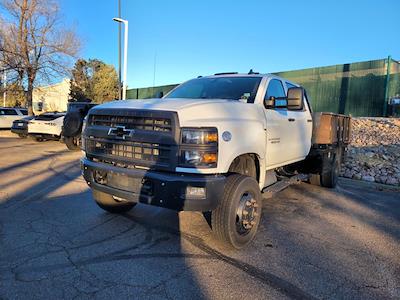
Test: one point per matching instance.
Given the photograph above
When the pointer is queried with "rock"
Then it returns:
(392, 181)
(383, 179)
(348, 174)
(368, 178)
(374, 151)
(370, 154)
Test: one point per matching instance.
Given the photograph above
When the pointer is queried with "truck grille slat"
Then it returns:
(147, 152)
(132, 122)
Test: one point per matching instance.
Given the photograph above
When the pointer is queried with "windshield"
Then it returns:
(232, 88)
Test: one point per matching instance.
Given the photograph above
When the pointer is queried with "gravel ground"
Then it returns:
(313, 243)
(374, 152)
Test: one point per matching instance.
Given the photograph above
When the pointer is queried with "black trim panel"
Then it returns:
(166, 188)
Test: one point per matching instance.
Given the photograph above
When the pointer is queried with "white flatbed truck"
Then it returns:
(214, 144)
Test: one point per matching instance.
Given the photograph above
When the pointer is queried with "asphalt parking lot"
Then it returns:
(313, 242)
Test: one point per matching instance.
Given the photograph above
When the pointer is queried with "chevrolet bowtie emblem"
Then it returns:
(121, 132)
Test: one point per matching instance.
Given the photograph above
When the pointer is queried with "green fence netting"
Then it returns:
(150, 92)
(358, 88)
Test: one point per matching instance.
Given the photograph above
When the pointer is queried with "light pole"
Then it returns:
(125, 54)
(119, 52)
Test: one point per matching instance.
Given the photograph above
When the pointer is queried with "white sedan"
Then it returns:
(46, 126)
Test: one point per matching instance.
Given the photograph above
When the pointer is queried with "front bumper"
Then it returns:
(19, 130)
(163, 189)
(46, 136)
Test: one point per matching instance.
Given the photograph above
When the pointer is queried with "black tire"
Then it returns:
(38, 139)
(108, 203)
(22, 136)
(227, 220)
(72, 143)
(330, 170)
(315, 179)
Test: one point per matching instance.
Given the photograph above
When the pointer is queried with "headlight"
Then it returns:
(199, 136)
(83, 142)
(199, 147)
(199, 158)
(84, 123)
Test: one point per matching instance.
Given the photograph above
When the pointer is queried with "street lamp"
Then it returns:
(125, 54)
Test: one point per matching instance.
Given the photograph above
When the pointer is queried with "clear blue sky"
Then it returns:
(203, 37)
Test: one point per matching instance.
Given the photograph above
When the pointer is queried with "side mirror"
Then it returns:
(269, 103)
(295, 98)
(275, 102)
(160, 94)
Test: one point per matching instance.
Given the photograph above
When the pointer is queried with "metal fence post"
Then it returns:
(386, 100)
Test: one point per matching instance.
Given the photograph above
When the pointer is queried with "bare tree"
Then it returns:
(34, 44)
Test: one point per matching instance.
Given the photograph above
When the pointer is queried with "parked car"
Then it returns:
(73, 121)
(215, 144)
(20, 126)
(46, 126)
(9, 114)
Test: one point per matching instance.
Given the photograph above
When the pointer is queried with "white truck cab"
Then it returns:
(213, 143)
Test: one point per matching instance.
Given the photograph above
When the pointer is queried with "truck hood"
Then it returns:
(191, 112)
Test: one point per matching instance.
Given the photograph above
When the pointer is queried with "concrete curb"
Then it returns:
(374, 185)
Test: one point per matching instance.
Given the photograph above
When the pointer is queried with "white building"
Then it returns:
(51, 98)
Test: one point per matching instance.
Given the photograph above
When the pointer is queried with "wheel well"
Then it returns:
(246, 164)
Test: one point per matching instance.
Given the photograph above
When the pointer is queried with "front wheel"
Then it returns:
(22, 135)
(236, 219)
(108, 203)
(72, 143)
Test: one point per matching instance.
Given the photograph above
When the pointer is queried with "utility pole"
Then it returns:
(5, 87)
(154, 72)
(119, 51)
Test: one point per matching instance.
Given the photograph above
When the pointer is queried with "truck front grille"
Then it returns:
(133, 138)
(132, 122)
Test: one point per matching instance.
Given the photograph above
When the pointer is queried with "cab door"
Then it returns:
(301, 129)
(279, 129)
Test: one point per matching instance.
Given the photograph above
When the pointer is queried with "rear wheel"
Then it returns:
(108, 203)
(330, 169)
(236, 219)
(38, 139)
(72, 143)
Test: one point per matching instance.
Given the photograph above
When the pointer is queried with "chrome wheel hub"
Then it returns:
(246, 214)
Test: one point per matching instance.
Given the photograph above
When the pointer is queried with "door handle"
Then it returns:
(291, 120)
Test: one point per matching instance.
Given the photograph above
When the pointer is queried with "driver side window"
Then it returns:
(275, 89)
